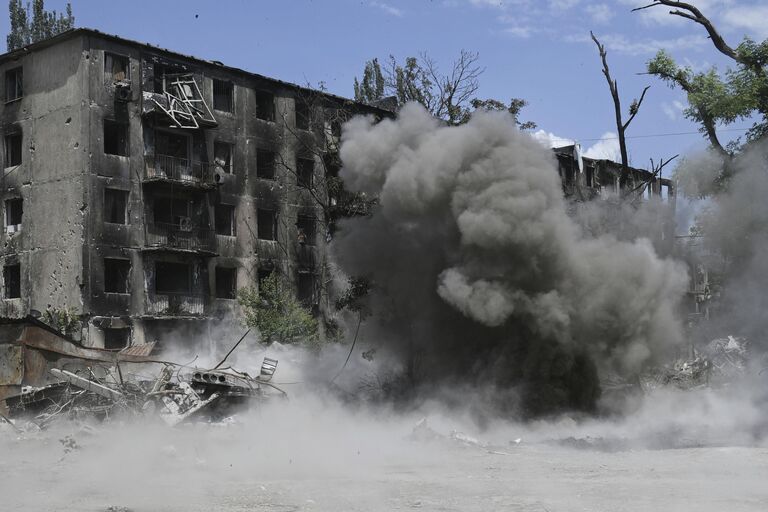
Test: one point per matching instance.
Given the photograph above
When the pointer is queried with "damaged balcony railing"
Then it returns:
(182, 170)
(183, 237)
(175, 304)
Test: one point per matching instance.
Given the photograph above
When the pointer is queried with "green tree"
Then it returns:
(448, 96)
(42, 24)
(371, 89)
(715, 98)
(274, 310)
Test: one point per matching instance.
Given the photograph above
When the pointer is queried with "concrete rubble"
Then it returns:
(84, 384)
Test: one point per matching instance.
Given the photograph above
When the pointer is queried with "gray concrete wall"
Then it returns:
(52, 117)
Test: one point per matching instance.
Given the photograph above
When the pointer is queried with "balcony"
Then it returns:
(181, 171)
(175, 304)
(181, 238)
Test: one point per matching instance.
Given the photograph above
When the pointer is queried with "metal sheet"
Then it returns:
(11, 365)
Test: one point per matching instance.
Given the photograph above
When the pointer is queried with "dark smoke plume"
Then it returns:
(480, 276)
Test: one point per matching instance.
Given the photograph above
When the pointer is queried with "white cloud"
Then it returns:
(521, 31)
(551, 140)
(392, 11)
(619, 43)
(673, 110)
(562, 5)
(607, 148)
(600, 13)
(750, 18)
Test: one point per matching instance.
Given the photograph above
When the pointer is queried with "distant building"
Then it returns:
(141, 187)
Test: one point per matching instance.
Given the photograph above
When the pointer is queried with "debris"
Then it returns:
(176, 394)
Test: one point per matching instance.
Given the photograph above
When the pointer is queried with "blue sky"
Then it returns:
(538, 50)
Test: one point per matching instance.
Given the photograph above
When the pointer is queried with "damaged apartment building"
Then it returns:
(142, 188)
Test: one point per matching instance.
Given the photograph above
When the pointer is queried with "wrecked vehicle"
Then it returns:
(76, 382)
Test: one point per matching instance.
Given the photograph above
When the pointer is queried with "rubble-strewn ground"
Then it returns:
(309, 455)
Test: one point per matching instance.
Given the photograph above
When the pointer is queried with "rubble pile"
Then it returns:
(175, 393)
(719, 362)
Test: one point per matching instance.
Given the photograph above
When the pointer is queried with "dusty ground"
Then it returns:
(316, 457)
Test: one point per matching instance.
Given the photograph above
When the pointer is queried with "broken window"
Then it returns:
(115, 206)
(226, 283)
(14, 211)
(225, 220)
(12, 281)
(265, 164)
(117, 275)
(115, 138)
(172, 144)
(223, 95)
(173, 277)
(117, 339)
(305, 228)
(589, 175)
(262, 275)
(14, 87)
(222, 156)
(13, 149)
(305, 168)
(265, 105)
(171, 210)
(569, 174)
(116, 68)
(305, 287)
(266, 224)
(302, 115)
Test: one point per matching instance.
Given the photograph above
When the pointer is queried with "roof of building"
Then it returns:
(69, 34)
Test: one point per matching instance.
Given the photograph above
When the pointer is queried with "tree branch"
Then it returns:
(694, 14)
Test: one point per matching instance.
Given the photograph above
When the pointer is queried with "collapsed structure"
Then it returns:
(45, 376)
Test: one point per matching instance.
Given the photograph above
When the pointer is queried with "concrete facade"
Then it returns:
(138, 227)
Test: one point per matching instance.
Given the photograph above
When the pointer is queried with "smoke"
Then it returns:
(734, 239)
(481, 275)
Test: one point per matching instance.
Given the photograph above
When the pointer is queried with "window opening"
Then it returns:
(115, 206)
(305, 169)
(265, 106)
(226, 283)
(116, 68)
(266, 224)
(115, 138)
(265, 164)
(117, 274)
(12, 280)
(223, 95)
(14, 84)
(305, 227)
(225, 220)
(13, 150)
(14, 212)
(173, 277)
(117, 339)
(222, 156)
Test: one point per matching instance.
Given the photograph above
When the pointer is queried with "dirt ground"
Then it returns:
(317, 458)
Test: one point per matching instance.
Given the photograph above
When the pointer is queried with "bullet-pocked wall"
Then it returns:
(141, 227)
(44, 119)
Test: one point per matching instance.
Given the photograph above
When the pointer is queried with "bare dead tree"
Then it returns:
(656, 169)
(621, 125)
(446, 95)
(456, 88)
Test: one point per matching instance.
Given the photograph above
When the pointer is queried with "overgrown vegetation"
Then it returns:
(274, 310)
(33, 23)
(449, 96)
(64, 320)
